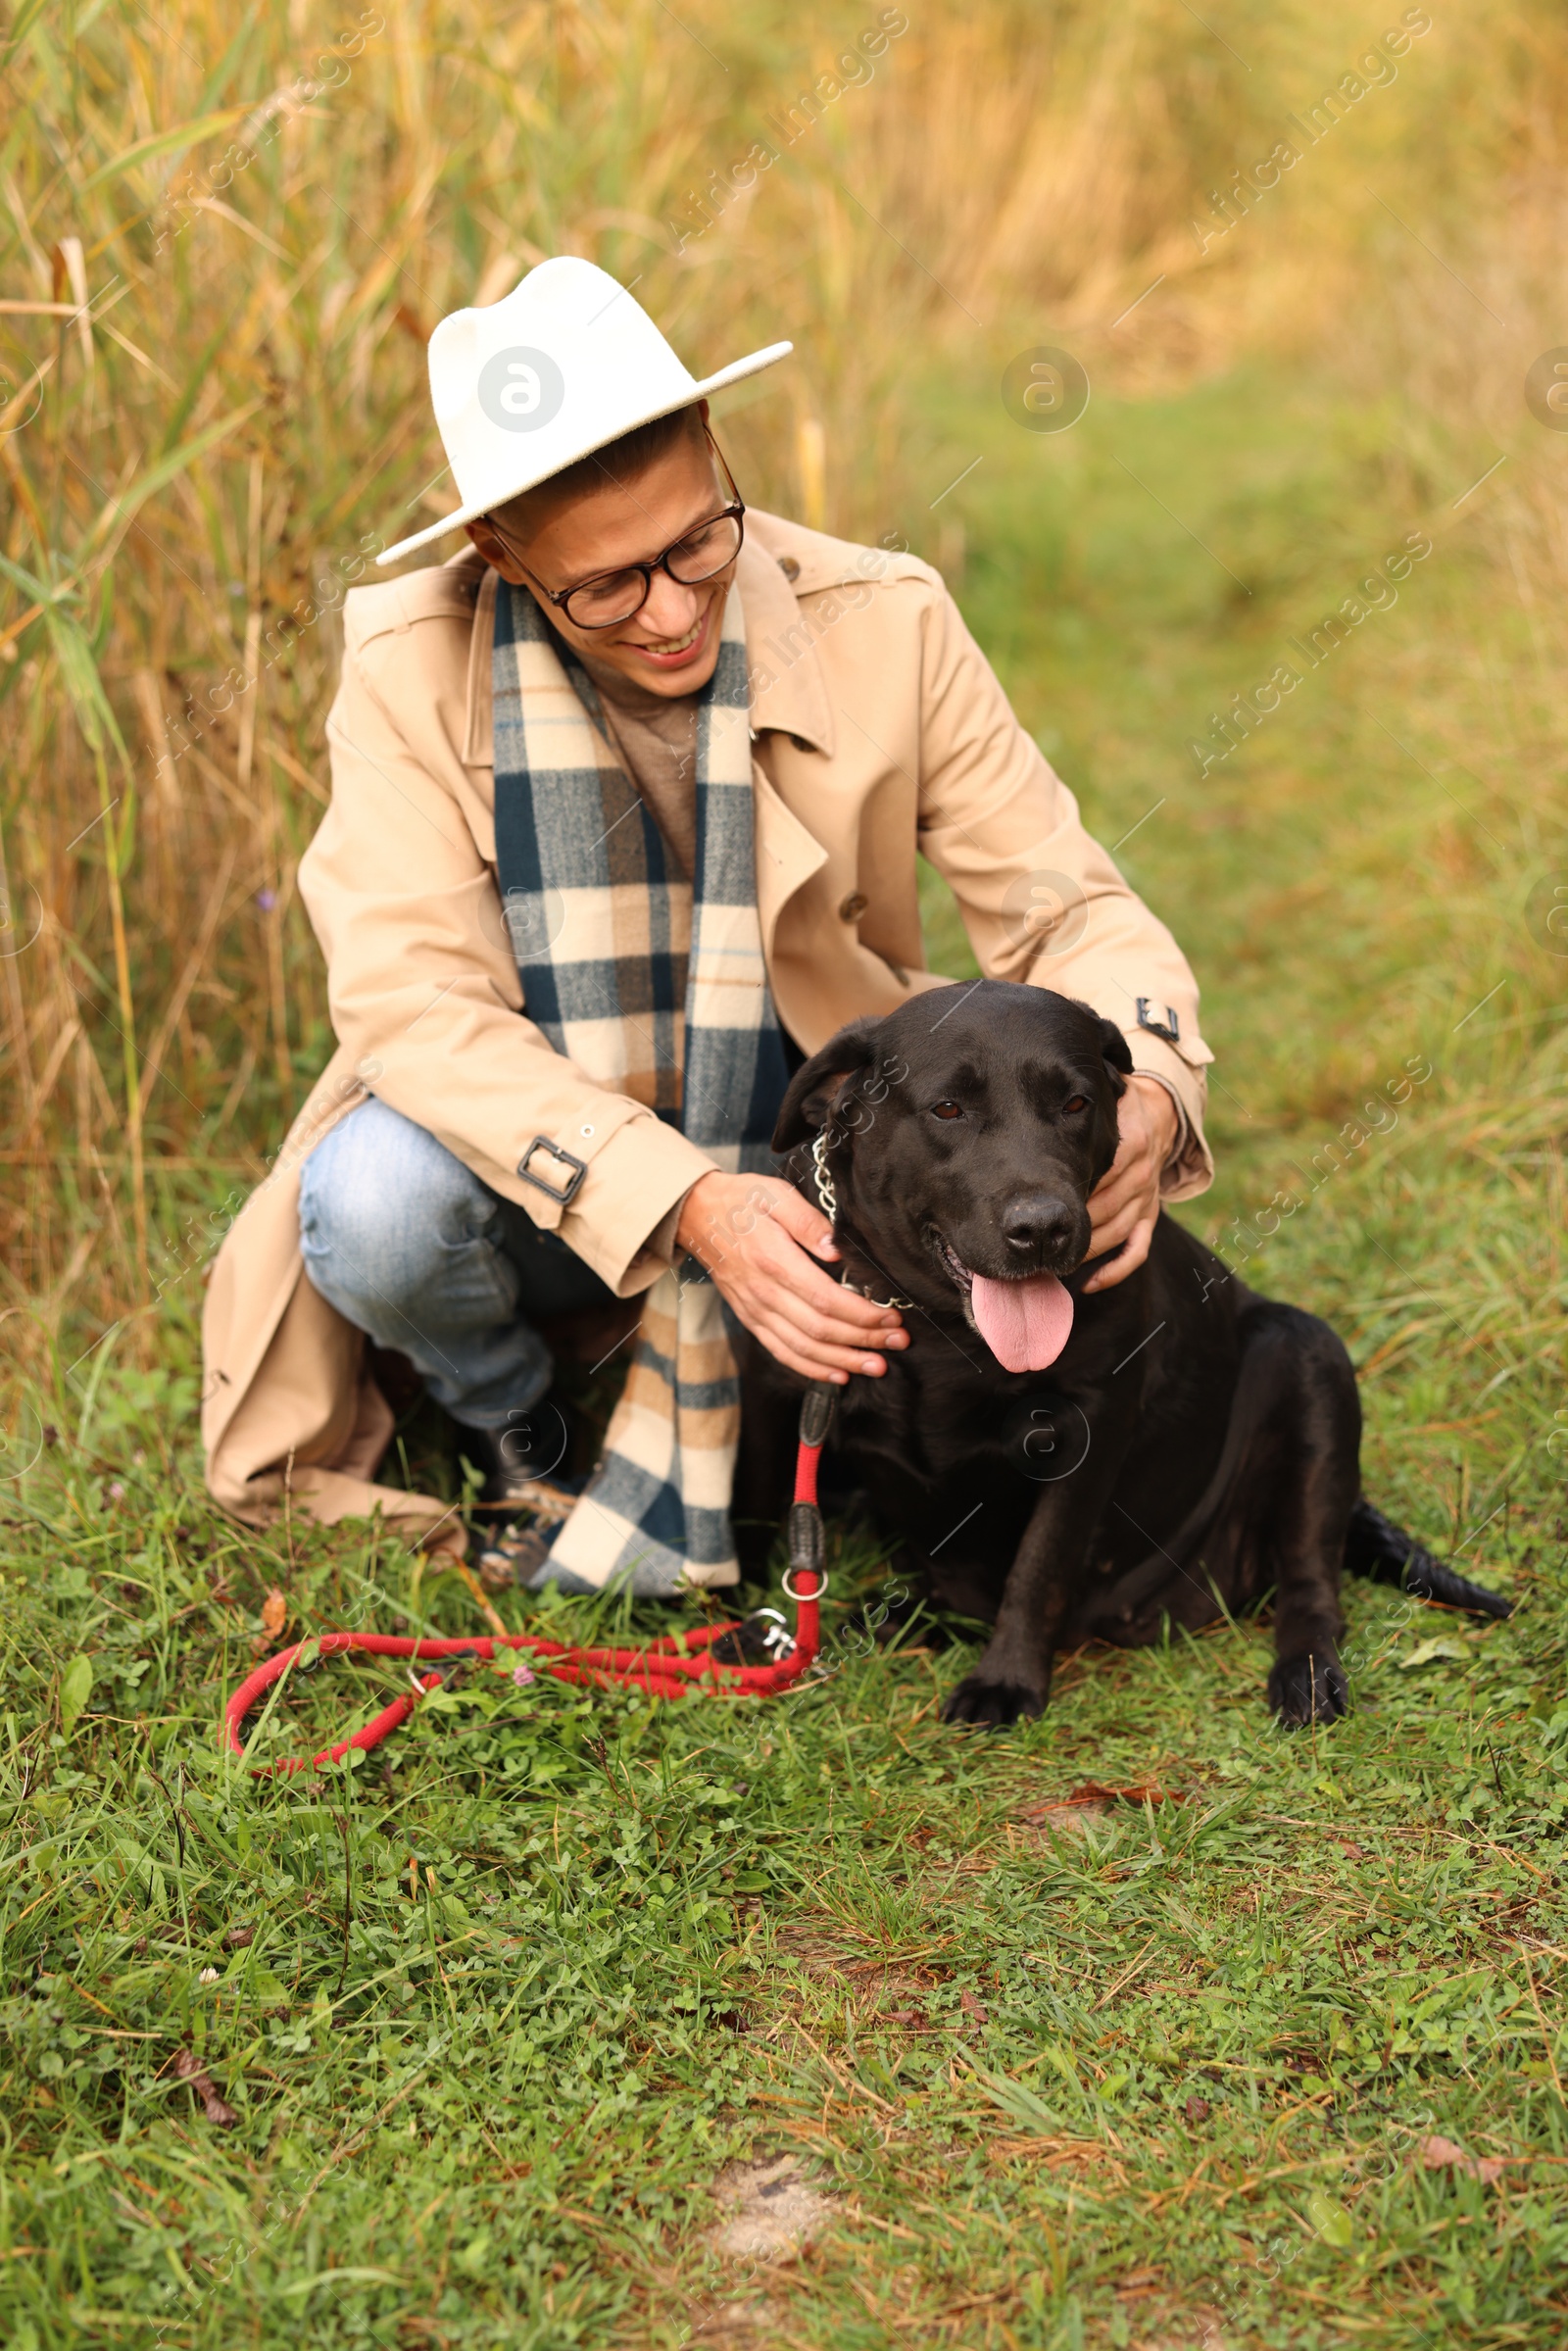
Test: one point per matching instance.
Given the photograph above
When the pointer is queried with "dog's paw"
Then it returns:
(992, 1704)
(1308, 1688)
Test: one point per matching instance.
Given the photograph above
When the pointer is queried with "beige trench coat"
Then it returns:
(879, 729)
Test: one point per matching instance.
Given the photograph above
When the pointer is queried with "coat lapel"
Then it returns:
(787, 857)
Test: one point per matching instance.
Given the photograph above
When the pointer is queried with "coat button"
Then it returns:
(854, 906)
(790, 568)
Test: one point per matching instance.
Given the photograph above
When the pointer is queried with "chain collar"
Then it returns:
(828, 1197)
(829, 1202)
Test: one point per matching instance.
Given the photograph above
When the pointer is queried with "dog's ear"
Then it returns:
(811, 1089)
(1115, 1049)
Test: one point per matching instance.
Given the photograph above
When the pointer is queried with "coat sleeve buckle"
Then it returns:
(1170, 1028)
(561, 1194)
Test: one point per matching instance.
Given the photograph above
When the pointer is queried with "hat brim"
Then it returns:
(753, 366)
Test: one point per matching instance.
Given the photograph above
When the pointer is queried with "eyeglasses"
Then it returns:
(610, 597)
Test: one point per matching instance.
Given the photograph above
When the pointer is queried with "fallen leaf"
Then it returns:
(1427, 1652)
(972, 2006)
(1196, 2110)
(189, 2067)
(1142, 2281)
(1065, 1819)
(274, 1612)
(1200, 2329)
(1442, 2154)
(1093, 1801)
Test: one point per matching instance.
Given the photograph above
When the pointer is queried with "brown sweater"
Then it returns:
(657, 738)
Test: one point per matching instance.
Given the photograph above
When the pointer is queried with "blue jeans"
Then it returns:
(411, 1247)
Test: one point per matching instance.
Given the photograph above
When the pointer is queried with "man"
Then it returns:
(626, 804)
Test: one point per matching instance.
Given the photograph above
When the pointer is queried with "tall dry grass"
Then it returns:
(226, 243)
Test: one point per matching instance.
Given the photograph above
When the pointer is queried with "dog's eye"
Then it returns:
(1078, 1103)
(947, 1111)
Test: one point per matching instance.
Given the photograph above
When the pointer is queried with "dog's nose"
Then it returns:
(1036, 1223)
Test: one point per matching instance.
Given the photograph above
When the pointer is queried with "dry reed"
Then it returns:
(227, 245)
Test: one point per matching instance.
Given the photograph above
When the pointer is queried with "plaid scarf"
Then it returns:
(657, 988)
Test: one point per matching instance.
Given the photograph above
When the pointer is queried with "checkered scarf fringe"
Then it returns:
(657, 988)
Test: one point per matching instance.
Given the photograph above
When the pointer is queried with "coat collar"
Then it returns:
(789, 694)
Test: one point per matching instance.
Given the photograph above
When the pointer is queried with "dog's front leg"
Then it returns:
(1014, 1676)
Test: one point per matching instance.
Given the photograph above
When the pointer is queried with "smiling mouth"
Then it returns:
(664, 649)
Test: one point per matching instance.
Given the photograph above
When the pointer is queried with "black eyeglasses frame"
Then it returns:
(561, 598)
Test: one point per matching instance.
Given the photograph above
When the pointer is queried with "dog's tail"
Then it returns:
(1377, 1548)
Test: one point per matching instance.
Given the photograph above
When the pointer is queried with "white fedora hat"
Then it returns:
(566, 363)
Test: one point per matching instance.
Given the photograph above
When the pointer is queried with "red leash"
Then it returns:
(665, 1669)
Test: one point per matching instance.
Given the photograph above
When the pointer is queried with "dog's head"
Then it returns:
(965, 1134)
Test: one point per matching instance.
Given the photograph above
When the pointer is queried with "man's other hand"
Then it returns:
(766, 1247)
(1124, 1204)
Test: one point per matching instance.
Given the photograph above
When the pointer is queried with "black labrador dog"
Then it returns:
(1066, 1468)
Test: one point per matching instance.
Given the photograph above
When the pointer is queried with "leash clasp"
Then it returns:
(764, 1635)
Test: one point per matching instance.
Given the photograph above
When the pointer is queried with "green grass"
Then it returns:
(517, 1993)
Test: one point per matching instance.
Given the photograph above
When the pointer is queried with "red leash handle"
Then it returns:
(666, 1668)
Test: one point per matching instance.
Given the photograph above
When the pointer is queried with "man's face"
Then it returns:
(671, 647)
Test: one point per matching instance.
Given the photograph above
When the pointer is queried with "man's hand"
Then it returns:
(753, 1233)
(1125, 1202)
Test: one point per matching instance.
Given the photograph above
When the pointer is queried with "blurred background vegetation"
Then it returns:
(226, 238)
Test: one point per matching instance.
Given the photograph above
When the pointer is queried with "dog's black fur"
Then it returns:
(1194, 1449)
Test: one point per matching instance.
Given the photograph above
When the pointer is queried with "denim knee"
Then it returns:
(385, 1211)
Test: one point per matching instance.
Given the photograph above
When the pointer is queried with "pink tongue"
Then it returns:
(1025, 1324)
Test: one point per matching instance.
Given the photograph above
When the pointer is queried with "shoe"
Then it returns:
(520, 1555)
(523, 1499)
(526, 1499)
(530, 1452)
